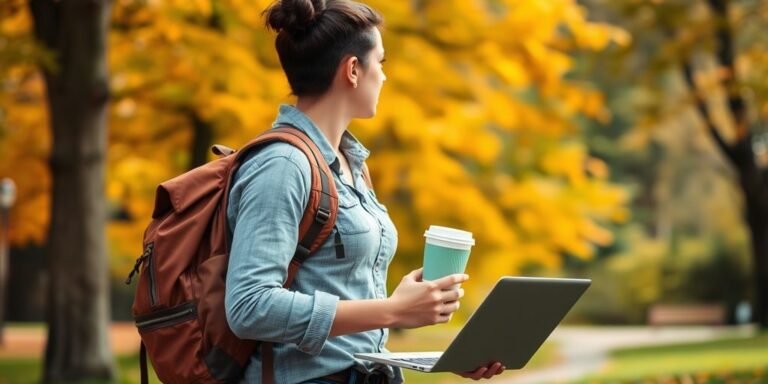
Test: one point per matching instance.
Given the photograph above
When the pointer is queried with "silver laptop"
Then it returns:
(509, 326)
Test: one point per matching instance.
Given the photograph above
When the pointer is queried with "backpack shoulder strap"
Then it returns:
(320, 215)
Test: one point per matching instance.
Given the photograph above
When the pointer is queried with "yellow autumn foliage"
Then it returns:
(476, 126)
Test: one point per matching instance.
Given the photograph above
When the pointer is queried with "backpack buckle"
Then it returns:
(302, 253)
(322, 216)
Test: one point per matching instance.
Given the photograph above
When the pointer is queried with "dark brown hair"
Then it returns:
(314, 35)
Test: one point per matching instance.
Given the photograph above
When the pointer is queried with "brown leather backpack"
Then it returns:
(179, 300)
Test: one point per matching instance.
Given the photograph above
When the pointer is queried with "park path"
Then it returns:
(585, 350)
(29, 341)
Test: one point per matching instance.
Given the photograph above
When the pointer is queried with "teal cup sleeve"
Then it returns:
(442, 261)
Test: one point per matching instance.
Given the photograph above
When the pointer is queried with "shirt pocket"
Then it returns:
(350, 220)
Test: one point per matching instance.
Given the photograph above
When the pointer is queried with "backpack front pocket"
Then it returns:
(173, 339)
(167, 317)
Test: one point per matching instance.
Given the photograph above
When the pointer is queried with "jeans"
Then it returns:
(352, 379)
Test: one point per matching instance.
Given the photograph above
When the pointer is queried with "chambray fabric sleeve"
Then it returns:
(271, 194)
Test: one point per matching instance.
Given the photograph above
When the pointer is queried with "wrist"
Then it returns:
(391, 312)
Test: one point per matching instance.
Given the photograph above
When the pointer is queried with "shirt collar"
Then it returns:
(354, 151)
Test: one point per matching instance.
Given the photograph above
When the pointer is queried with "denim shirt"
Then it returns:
(267, 200)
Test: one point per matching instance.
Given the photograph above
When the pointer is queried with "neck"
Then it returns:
(328, 114)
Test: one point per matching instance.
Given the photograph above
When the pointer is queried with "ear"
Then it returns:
(350, 68)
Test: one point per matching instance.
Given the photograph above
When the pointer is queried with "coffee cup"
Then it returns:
(446, 251)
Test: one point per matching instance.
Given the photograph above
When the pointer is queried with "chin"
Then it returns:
(367, 114)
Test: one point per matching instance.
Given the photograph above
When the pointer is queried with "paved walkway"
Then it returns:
(29, 341)
(585, 350)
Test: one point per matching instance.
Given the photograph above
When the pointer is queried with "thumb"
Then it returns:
(415, 275)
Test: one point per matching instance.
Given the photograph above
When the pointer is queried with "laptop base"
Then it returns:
(420, 361)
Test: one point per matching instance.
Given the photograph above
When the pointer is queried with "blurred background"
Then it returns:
(624, 141)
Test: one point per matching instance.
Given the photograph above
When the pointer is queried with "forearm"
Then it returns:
(354, 316)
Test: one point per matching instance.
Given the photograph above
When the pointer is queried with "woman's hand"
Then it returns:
(483, 372)
(416, 303)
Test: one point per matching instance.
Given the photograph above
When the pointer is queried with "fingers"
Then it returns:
(452, 295)
(449, 308)
(484, 372)
(478, 374)
(451, 280)
(446, 311)
(495, 369)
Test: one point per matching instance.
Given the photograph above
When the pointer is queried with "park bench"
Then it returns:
(687, 314)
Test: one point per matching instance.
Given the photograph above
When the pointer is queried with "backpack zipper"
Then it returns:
(178, 315)
(139, 262)
(151, 268)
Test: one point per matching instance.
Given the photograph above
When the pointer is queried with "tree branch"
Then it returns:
(701, 106)
(44, 14)
(726, 59)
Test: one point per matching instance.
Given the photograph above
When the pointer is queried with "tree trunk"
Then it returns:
(4, 266)
(755, 190)
(742, 156)
(202, 132)
(760, 247)
(77, 92)
(752, 181)
(202, 139)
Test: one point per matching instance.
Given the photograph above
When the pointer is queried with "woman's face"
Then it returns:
(371, 79)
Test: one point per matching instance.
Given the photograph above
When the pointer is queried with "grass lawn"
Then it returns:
(724, 361)
(27, 371)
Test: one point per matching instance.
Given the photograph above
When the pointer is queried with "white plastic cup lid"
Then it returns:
(450, 235)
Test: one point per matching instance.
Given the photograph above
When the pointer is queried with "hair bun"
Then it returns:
(293, 15)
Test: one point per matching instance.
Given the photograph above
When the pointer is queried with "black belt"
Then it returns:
(343, 377)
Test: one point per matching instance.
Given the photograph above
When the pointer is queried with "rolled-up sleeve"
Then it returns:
(323, 313)
(269, 195)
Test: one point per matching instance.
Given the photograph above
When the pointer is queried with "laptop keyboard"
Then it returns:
(419, 360)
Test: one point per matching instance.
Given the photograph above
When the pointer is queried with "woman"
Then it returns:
(332, 54)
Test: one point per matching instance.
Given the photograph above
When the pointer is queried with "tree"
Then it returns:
(77, 95)
(751, 179)
(706, 59)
